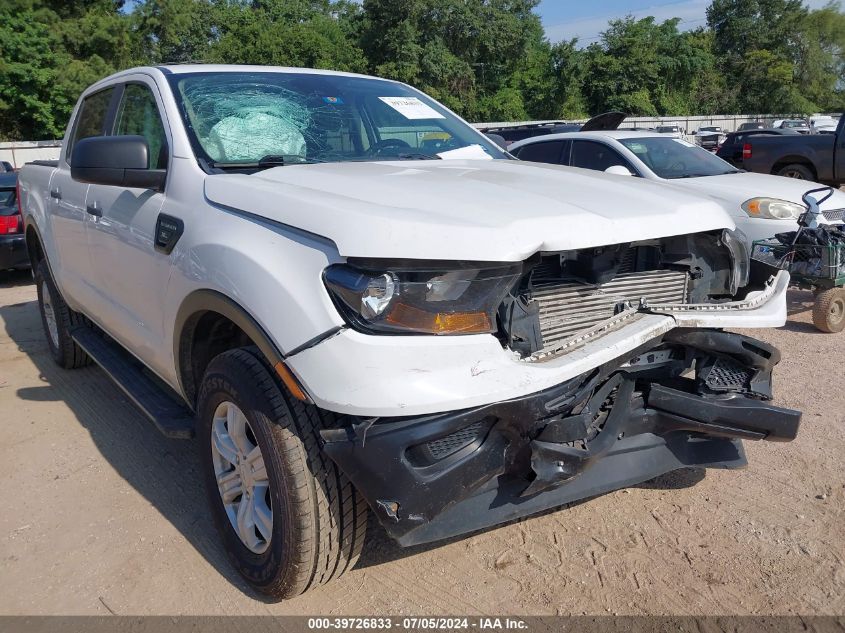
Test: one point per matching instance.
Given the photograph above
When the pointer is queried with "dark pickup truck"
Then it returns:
(818, 157)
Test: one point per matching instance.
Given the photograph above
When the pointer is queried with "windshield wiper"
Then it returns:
(418, 156)
(265, 162)
(723, 173)
(280, 160)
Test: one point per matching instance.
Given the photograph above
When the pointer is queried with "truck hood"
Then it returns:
(734, 189)
(464, 209)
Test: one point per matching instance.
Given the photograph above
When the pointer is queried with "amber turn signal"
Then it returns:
(439, 322)
(291, 382)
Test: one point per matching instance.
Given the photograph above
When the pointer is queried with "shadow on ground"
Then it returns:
(166, 472)
(15, 278)
(800, 302)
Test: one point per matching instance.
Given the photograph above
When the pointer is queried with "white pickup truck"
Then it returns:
(356, 301)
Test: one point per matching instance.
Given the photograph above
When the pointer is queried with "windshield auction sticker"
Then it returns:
(412, 108)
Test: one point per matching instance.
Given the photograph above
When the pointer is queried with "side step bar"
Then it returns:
(170, 416)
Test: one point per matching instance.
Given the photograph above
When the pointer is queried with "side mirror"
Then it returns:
(618, 170)
(121, 161)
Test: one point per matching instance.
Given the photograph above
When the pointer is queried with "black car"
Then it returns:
(731, 149)
(512, 134)
(815, 157)
(12, 243)
(520, 132)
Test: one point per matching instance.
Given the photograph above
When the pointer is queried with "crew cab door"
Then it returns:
(121, 230)
(71, 265)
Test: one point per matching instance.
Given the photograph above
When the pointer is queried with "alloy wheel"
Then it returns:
(241, 477)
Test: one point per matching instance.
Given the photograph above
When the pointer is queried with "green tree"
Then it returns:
(312, 34)
(487, 59)
(173, 30)
(821, 58)
(758, 43)
(568, 73)
(49, 53)
(644, 68)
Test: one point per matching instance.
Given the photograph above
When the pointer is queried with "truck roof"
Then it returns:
(179, 69)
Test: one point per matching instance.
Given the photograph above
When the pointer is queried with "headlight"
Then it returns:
(421, 297)
(772, 209)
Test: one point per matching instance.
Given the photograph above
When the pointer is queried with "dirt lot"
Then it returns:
(102, 514)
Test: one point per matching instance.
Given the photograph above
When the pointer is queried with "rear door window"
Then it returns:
(542, 152)
(597, 156)
(92, 117)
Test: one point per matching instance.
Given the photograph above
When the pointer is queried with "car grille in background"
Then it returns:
(568, 308)
(835, 215)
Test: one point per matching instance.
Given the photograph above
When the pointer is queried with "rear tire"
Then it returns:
(317, 520)
(58, 320)
(798, 171)
(829, 310)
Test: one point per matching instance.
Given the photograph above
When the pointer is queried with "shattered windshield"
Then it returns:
(262, 119)
(676, 158)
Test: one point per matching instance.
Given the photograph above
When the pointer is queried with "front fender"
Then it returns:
(264, 277)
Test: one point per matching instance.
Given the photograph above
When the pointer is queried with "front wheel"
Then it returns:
(289, 519)
(829, 310)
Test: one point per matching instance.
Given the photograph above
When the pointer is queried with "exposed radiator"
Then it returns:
(568, 307)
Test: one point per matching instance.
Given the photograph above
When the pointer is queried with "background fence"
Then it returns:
(20, 152)
(728, 122)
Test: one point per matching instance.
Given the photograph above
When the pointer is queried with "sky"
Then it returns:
(565, 19)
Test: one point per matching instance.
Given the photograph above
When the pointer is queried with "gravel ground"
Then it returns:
(101, 514)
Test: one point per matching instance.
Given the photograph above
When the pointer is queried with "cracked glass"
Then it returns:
(259, 119)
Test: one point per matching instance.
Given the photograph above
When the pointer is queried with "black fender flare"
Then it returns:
(29, 222)
(200, 302)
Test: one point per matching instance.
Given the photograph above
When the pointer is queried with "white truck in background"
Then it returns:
(356, 301)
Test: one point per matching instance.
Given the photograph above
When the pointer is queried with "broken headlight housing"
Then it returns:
(737, 244)
(414, 297)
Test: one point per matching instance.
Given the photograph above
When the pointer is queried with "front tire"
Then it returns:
(796, 171)
(58, 320)
(289, 519)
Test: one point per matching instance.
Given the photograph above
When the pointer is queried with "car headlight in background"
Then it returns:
(772, 209)
(414, 297)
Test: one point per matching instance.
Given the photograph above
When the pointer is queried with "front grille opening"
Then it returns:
(569, 305)
(567, 298)
(441, 448)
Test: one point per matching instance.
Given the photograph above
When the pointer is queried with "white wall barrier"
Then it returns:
(19, 153)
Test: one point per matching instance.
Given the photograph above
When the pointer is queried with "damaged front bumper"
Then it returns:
(686, 398)
(389, 376)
